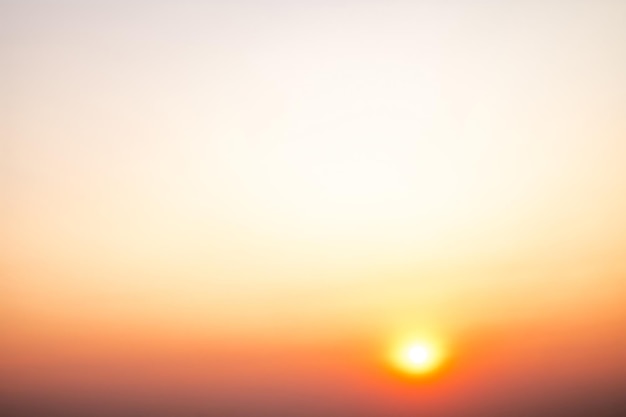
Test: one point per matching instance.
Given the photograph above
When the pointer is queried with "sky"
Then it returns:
(242, 208)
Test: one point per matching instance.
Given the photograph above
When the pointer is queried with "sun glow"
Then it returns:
(418, 357)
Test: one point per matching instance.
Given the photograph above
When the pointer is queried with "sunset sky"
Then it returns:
(313, 208)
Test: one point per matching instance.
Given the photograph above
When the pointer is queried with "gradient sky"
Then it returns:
(241, 206)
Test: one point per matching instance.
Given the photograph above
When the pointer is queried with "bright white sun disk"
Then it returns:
(417, 358)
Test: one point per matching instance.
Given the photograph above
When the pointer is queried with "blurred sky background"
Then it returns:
(236, 207)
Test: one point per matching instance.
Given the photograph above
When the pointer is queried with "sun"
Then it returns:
(418, 357)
